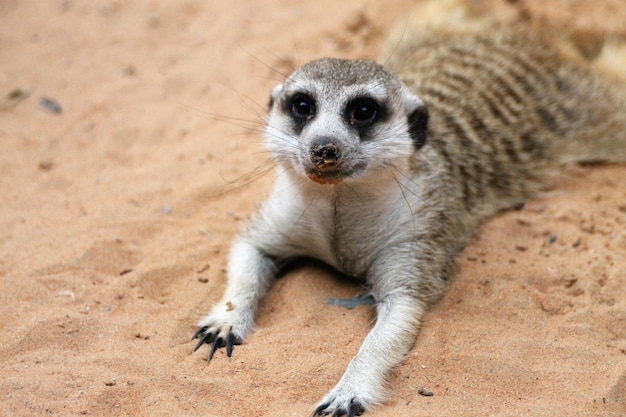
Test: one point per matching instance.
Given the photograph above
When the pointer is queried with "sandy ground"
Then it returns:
(116, 215)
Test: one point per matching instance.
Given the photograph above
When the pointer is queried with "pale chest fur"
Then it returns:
(346, 226)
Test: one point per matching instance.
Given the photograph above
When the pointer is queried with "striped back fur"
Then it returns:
(509, 108)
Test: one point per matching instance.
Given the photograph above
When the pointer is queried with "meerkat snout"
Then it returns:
(325, 157)
(324, 154)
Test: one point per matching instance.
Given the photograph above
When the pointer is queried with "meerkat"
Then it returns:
(384, 173)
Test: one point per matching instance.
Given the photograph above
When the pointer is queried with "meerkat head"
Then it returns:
(334, 120)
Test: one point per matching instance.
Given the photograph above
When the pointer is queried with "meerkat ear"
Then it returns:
(417, 117)
(275, 92)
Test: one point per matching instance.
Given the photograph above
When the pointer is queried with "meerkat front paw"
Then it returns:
(220, 337)
(354, 394)
(342, 401)
(225, 327)
(337, 406)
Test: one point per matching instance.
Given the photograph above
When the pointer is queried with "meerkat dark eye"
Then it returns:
(363, 111)
(302, 106)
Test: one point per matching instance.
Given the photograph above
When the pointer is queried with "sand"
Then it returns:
(120, 194)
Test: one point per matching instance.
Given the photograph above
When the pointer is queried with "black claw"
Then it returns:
(339, 412)
(319, 411)
(199, 332)
(207, 338)
(217, 343)
(229, 344)
(355, 409)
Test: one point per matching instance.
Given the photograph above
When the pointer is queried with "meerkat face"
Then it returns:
(334, 120)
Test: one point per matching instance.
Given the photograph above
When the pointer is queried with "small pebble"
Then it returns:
(13, 98)
(45, 165)
(424, 392)
(50, 105)
(350, 303)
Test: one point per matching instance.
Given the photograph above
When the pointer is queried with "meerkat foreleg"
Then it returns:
(399, 312)
(250, 274)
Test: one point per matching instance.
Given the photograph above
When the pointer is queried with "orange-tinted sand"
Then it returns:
(116, 216)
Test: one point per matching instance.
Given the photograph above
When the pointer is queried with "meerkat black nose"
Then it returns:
(324, 153)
